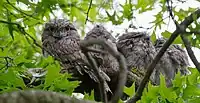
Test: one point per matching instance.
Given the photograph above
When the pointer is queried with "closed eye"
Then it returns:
(69, 28)
(51, 28)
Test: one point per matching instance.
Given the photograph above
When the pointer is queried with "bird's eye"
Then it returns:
(67, 28)
(51, 28)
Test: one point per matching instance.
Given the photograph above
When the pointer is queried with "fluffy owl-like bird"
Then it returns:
(106, 62)
(61, 39)
(139, 52)
(174, 59)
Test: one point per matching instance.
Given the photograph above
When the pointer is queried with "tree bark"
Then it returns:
(38, 96)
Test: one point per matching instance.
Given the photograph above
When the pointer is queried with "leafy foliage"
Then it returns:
(89, 97)
(185, 89)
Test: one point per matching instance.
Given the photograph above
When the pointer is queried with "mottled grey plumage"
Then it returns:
(61, 39)
(174, 59)
(138, 51)
(106, 62)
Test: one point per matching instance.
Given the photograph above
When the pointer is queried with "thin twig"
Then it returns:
(20, 10)
(169, 7)
(121, 61)
(8, 60)
(88, 11)
(186, 41)
(188, 20)
(190, 52)
(22, 30)
(155, 23)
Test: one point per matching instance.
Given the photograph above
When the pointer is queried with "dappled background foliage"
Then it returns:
(21, 25)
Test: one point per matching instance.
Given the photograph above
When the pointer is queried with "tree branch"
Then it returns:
(20, 10)
(186, 41)
(97, 72)
(88, 11)
(188, 20)
(22, 30)
(169, 7)
(95, 50)
(156, 23)
(121, 61)
(190, 52)
(7, 60)
(38, 96)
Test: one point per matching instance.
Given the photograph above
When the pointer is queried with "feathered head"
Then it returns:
(59, 28)
(99, 32)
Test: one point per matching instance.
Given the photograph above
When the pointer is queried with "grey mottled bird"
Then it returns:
(60, 38)
(174, 59)
(106, 62)
(139, 52)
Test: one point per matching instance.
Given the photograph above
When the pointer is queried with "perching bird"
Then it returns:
(139, 52)
(60, 39)
(106, 62)
(174, 59)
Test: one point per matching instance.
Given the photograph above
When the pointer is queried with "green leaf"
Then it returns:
(11, 79)
(192, 78)
(151, 95)
(89, 97)
(1, 4)
(191, 91)
(127, 10)
(180, 100)
(63, 84)
(153, 36)
(56, 81)
(130, 91)
(178, 40)
(194, 100)
(93, 13)
(144, 5)
(178, 81)
(52, 74)
(167, 34)
(115, 18)
(164, 91)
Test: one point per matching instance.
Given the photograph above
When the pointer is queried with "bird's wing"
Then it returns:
(70, 51)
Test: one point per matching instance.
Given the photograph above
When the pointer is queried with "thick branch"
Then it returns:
(121, 61)
(190, 52)
(188, 20)
(186, 41)
(36, 96)
(95, 51)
